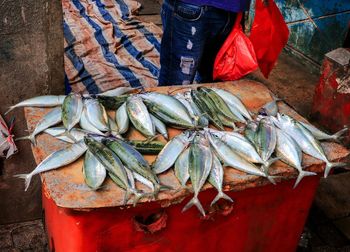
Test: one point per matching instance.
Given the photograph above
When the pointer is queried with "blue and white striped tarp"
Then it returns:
(106, 46)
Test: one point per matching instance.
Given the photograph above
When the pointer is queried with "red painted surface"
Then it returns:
(268, 218)
(330, 107)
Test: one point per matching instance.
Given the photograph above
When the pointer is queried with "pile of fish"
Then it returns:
(198, 154)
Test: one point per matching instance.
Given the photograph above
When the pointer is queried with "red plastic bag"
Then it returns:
(269, 34)
(236, 57)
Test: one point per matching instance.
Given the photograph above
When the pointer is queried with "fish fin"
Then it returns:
(268, 163)
(330, 165)
(69, 135)
(10, 109)
(27, 179)
(336, 136)
(194, 201)
(301, 175)
(272, 179)
(221, 195)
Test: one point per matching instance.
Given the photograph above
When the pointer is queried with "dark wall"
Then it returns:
(31, 64)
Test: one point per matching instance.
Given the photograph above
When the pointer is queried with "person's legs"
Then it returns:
(221, 23)
(182, 43)
(192, 37)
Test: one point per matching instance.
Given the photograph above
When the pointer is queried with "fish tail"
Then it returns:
(265, 167)
(194, 201)
(27, 179)
(10, 109)
(30, 137)
(330, 165)
(272, 179)
(127, 194)
(336, 136)
(69, 135)
(301, 175)
(221, 195)
(22, 138)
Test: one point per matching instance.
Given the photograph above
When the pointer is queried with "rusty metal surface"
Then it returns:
(67, 188)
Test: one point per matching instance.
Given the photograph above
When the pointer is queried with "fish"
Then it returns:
(56, 160)
(307, 142)
(113, 127)
(40, 101)
(168, 109)
(231, 159)
(85, 124)
(270, 108)
(110, 161)
(221, 105)
(116, 91)
(50, 119)
(290, 153)
(130, 188)
(147, 147)
(58, 132)
(181, 168)
(227, 122)
(133, 160)
(201, 119)
(96, 114)
(93, 171)
(233, 102)
(167, 157)
(143, 180)
(72, 109)
(320, 135)
(140, 117)
(200, 163)
(207, 107)
(160, 127)
(216, 179)
(241, 145)
(265, 141)
(122, 119)
(112, 103)
(250, 131)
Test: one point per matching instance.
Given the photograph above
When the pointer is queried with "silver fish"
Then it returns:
(241, 146)
(122, 119)
(72, 108)
(200, 163)
(230, 158)
(40, 101)
(51, 118)
(305, 140)
(250, 131)
(96, 114)
(93, 171)
(139, 116)
(320, 135)
(113, 127)
(133, 160)
(182, 166)
(56, 160)
(117, 91)
(85, 124)
(168, 109)
(167, 157)
(58, 132)
(201, 119)
(270, 108)
(216, 178)
(160, 127)
(143, 180)
(265, 140)
(233, 102)
(289, 151)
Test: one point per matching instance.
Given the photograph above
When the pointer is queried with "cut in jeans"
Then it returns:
(192, 37)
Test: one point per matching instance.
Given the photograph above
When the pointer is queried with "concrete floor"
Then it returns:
(294, 82)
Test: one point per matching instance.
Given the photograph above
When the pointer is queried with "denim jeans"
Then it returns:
(192, 37)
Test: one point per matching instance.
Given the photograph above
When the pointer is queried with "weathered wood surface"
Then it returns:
(67, 188)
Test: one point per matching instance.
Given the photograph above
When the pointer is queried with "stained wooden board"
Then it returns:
(67, 188)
